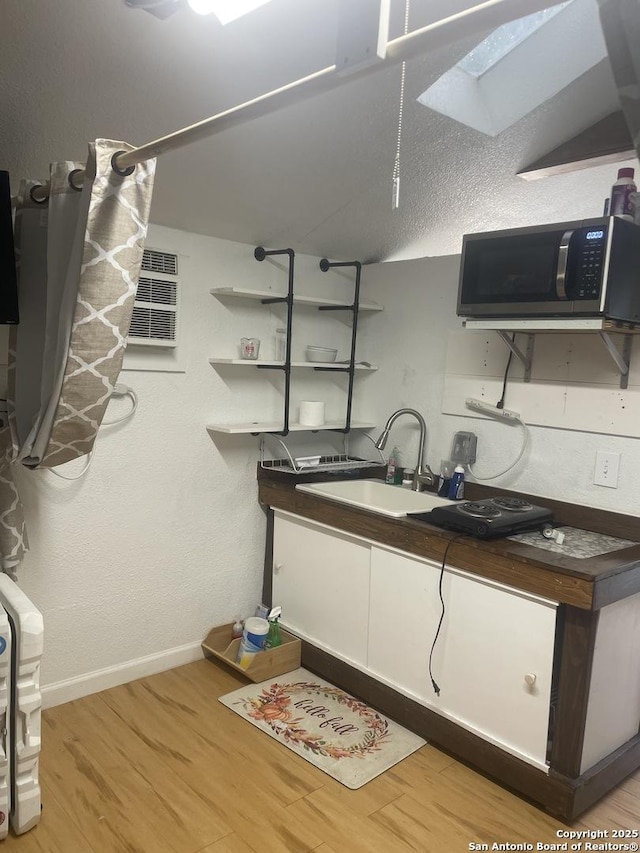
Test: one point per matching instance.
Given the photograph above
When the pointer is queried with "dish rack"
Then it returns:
(310, 464)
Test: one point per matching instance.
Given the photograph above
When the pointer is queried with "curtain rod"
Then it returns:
(488, 15)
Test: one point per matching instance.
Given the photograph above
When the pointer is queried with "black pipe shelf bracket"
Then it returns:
(325, 266)
(260, 253)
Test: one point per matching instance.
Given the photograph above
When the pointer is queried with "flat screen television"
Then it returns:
(8, 277)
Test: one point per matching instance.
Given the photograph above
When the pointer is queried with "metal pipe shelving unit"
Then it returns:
(260, 254)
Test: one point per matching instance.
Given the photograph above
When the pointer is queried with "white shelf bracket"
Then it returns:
(622, 359)
(526, 357)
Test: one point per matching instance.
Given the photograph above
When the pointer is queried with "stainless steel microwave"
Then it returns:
(589, 268)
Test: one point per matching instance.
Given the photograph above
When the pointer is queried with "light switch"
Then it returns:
(607, 469)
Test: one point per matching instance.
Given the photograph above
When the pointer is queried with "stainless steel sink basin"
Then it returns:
(375, 496)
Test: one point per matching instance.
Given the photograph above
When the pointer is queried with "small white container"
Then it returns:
(254, 637)
(321, 354)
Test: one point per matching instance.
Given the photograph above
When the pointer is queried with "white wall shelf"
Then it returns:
(322, 365)
(311, 301)
(256, 427)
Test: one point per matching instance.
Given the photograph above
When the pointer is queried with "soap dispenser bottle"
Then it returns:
(392, 464)
(456, 484)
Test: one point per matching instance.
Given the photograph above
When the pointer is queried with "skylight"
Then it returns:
(503, 40)
(520, 66)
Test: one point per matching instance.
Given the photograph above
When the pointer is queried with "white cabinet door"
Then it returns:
(404, 613)
(321, 579)
(493, 642)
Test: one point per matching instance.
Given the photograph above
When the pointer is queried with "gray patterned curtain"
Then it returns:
(13, 535)
(78, 259)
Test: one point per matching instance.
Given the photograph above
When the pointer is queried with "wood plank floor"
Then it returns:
(160, 766)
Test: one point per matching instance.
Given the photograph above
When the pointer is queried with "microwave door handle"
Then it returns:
(563, 257)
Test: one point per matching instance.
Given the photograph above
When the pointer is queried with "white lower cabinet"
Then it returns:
(494, 656)
(321, 579)
(380, 608)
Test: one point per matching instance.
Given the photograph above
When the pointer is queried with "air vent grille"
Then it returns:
(159, 290)
(154, 261)
(154, 321)
(152, 324)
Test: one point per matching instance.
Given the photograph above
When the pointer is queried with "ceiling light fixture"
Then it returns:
(225, 10)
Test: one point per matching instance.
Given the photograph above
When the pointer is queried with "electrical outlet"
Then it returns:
(607, 469)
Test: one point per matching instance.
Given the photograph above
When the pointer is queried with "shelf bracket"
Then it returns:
(336, 308)
(332, 369)
(622, 359)
(272, 300)
(524, 358)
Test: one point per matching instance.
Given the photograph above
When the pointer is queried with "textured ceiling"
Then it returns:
(316, 176)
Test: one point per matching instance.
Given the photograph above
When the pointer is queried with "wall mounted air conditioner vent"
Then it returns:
(159, 290)
(155, 313)
(154, 261)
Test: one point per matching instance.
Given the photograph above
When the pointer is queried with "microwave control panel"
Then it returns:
(590, 258)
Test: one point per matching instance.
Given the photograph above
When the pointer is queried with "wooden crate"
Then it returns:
(218, 645)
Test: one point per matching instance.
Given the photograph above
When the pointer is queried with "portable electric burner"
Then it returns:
(499, 516)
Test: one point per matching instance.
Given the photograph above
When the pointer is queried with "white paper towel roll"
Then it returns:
(311, 413)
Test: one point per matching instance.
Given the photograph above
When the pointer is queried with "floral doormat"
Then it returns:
(337, 733)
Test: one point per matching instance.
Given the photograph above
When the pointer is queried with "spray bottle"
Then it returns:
(274, 637)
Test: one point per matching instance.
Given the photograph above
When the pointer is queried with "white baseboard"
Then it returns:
(112, 676)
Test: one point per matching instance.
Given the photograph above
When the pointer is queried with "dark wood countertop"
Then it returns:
(589, 583)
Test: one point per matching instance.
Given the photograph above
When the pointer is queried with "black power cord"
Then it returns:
(434, 683)
(500, 403)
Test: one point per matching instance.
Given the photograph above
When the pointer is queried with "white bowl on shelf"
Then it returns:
(323, 354)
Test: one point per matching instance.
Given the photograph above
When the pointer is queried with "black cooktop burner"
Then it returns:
(512, 504)
(478, 509)
(500, 516)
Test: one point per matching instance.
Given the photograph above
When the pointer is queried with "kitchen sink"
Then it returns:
(375, 496)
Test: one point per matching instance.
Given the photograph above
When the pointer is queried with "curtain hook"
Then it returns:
(124, 173)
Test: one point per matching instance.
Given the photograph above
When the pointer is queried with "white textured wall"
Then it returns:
(163, 538)
(409, 341)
